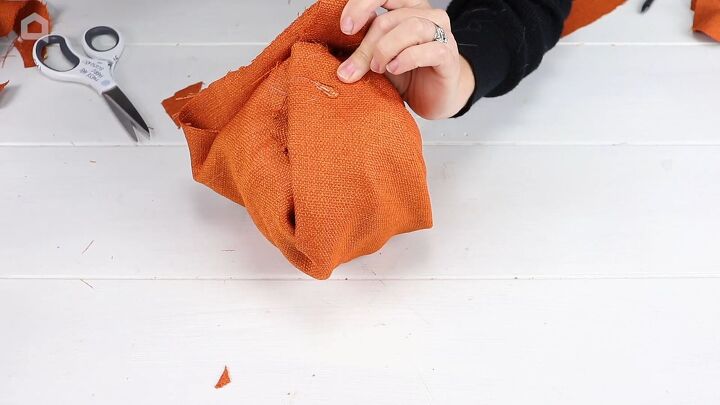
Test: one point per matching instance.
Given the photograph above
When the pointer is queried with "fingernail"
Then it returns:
(347, 25)
(392, 66)
(346, 70)
(374, 66)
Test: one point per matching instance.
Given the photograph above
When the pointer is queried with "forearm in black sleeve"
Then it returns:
(505, 40)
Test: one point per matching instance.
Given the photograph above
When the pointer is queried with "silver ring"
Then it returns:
(440, 35)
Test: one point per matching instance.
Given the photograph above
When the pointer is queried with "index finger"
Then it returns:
(357, 13)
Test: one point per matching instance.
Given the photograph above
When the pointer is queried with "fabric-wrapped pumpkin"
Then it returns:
(328, 171)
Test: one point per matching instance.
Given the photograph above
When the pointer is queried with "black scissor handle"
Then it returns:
(95, 32)
(60, 40)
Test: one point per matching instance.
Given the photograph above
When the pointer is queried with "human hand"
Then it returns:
(432, 77)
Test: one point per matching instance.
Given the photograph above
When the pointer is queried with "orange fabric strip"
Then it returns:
(585, 12)
(707, 17)
(12, 15)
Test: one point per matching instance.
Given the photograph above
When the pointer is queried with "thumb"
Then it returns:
(356, 66)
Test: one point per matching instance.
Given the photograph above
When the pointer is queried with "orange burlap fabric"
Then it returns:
(585, 12)
(328, 171)
(12, 14)
(224, 379)
(707, 17)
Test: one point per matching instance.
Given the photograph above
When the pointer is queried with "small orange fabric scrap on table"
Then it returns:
(707, 17)
(224, 379)
(17, 16)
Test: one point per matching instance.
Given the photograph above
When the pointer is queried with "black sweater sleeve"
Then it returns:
(505, 40)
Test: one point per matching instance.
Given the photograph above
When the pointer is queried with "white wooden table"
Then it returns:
(574, 259)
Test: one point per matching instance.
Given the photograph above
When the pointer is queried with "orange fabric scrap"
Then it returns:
(224, 379)
(707, 17)
(27, 15)
(174, 104)
(327, 171)
(585, 12)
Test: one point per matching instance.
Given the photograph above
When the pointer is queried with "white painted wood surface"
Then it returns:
(500, 212)
(252, 21)
(361, 342)
(622, 87)
(594, 184)
(613, 97)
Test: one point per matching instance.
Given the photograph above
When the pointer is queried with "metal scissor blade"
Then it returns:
(124, 120)
(122, 106)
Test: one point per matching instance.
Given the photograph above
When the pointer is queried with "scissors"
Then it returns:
(96, 71)
(646, 5)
